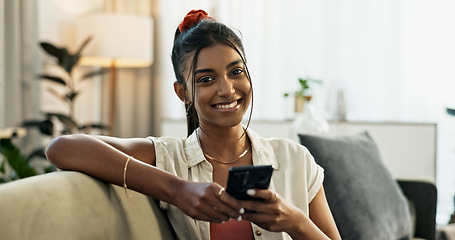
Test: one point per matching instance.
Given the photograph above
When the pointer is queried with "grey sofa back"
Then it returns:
(72, 205)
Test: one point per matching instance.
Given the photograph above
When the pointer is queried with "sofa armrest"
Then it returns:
(72, 205)
(423, 195)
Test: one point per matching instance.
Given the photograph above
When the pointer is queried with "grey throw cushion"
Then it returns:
(365, 200)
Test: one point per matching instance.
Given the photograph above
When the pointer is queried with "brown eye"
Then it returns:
(237, 71)
(205, 79)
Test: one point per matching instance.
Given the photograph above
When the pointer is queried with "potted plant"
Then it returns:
(307, 119)
(14, 164)
(304, 93)
(66, 61)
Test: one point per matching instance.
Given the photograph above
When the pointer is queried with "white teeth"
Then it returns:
(226, 106)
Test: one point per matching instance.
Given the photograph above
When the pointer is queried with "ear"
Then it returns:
(179, 89)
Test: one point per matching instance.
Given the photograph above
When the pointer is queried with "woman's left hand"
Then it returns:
(274, 214)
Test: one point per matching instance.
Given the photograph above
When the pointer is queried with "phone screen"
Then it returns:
(242, 178)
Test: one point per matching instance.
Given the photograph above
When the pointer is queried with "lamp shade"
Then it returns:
(125, 38)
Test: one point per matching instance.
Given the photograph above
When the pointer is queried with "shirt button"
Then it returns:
(258, 232)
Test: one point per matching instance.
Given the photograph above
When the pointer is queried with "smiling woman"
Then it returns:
(189, 175)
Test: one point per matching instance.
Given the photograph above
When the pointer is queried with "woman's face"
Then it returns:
(223, 91)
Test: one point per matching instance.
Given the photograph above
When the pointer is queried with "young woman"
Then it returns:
(189, 175)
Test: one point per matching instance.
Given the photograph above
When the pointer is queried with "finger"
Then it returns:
(266, 194)
(204, 217)
(256, 216)
(205, 213)
(209, 218)
(210, 207)
(255, 206)
(229, 205)
(214, 213)
(274, 198)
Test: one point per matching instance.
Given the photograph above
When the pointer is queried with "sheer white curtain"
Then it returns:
(19, 94)
(382, 53)
(394, 59)
(2, 67)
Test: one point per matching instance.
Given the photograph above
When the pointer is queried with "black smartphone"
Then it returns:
(242, 178)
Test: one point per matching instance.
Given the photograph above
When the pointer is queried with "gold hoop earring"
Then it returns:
(187, 111)
(187, 108)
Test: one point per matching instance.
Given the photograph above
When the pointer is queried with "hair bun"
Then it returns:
(193, 18)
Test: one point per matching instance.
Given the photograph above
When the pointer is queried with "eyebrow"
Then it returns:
(203, 70)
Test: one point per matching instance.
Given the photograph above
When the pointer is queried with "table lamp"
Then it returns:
(118, 41)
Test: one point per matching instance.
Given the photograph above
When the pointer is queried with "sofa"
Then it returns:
(68, 205)
(72, 205)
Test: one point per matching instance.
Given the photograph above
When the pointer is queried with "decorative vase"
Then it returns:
(307, 119)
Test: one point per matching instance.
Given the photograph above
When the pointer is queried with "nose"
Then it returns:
(225, 87)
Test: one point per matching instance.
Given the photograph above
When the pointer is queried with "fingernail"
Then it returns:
(239, 218)
(242, 211)
(250, 192)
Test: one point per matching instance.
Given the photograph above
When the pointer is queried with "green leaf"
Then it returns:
(50, 169)
(72, 59)
(83, 45)
(66, 120)
(39, 152)
(52, 50)
(45, 126)
(2, 167)
(65, 59)
(95, 73)
(94, 125)
(67, 62)
(16, 160)
(3, 179)
(71, 96)
(55, 93)
(315, 81)
(304, 84)
(53, 79)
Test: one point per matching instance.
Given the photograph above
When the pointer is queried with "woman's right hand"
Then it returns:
(207, 202)
(105, 157)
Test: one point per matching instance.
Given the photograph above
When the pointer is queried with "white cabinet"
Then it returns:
(407, 149)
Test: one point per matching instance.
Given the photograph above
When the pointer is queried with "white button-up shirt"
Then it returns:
(296, 177)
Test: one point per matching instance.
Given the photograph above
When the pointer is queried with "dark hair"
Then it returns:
(206, 33)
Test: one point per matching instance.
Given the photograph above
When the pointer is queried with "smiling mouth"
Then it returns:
(229, 106)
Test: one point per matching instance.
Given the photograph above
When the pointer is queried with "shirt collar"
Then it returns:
(263, 153)
(193, 150)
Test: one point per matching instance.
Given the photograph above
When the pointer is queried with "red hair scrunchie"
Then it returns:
(193, 18)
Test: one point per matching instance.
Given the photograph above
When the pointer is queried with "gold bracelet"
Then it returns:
(124, 176)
